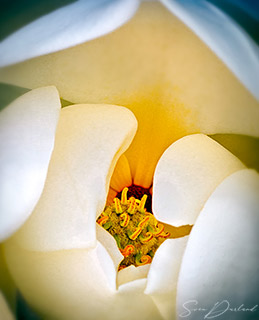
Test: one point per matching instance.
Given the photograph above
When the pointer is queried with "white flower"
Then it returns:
(63, 268)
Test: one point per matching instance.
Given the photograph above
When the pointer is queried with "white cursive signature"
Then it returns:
(218, 309)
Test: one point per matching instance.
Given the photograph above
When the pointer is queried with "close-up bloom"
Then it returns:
(129, 161)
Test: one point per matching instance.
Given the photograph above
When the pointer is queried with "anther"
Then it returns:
(125, 219)
(117, 204)
(128, 250)
(147, 238)
(132, 205)
(142, 203)
(142, 260)
(159, 229)
(124, 199)
(102, 220)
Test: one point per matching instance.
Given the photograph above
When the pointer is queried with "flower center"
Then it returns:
(137, 232)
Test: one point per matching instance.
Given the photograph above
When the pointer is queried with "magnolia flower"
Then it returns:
(143, 102)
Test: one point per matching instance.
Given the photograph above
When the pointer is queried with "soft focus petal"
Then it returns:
(154, 65)
(5, 312)
(186, 175)
(71, 284)
(163, 275)
(222, 256)
(27, 133)
(134, 304)
(132, 273)
(64, 284)
(65, 27)
(224, 36)
(89, 141)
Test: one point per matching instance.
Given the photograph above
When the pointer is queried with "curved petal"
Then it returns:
(131, 298)
(186, 174)
(27, 133)
(64, 284)
(71, 284)
(5, 312)
(220, 263)
(65, 27)
(155, 66)
(89, 141)
(132, 273)
(163, 275)
(224, 36)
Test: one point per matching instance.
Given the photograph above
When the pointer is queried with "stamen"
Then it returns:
(118, 208)
(142, 203)
(147, 238)
(159, 229)
(137, 232)
(125, 219)
(142, 260)
(164, 235)
(102, 220)
(128, 250)
(124, 199)
(132, 205)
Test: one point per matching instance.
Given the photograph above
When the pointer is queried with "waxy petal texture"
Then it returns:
(224, 36)
(65, 27)
(163, 275)
(89, 141)
(220, 263)
(64, 284)
(186, 175)
(27, 133)
(159, 69)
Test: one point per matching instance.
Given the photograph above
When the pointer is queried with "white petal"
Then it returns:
(5, 312)
(135, 303)
(222, 256)
(65, 27)
(186, 174)
(71, 284)
(132, 273)
(224, 36)
(164, 269)
(89, 141)
(107, 240)
(27, 132)
(64, 284)
(163, 275)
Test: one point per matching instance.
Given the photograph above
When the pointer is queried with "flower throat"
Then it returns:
(137, 232)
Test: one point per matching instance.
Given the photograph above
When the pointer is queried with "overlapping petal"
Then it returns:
(163, 275)
(89, 141)
(186, 175)
(67, 26)
(64, 283)
(224, 36)
(27, 134)
(221, 258)
(155, 66)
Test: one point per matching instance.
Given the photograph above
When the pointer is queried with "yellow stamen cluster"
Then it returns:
(136, 231)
